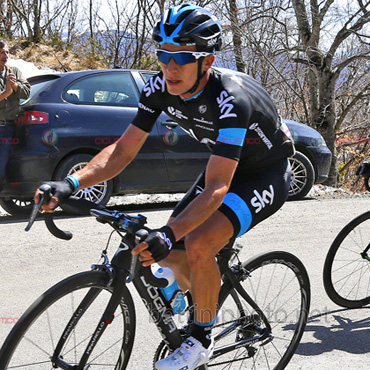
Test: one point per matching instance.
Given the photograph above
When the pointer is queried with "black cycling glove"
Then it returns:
(160, 242)
(61, 189)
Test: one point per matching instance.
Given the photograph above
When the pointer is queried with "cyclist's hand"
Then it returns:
(156, 247)
(59, 190)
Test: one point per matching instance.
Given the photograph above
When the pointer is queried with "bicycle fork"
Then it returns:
(106, 319)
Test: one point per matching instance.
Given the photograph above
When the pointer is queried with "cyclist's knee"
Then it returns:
(198, 250)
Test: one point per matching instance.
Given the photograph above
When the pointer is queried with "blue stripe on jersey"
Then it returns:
(232, 136)
(242, 211)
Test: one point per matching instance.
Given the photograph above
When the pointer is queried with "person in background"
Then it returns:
(13, 87)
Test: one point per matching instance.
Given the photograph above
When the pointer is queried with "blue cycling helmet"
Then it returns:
(189, 24)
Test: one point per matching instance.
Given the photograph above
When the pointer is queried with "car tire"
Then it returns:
(17, 207)
(99, 194)
(367, 183)
(303, 176)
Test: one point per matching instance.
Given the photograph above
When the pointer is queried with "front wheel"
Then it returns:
(346, 272)
(278, 283)
(65, 317)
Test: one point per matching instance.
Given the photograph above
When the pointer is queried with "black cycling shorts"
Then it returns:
(252, 197)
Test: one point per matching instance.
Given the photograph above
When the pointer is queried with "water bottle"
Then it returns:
(172, 292)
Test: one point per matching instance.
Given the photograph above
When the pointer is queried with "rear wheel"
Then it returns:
(278, 283)
(59, 319)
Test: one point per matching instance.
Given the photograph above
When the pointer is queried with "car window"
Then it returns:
(147, 75)
(114, 89)
(36, 87)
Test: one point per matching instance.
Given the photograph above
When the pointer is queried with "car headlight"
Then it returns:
(321, 141)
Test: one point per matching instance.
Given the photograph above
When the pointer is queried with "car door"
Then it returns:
(184, 156)
(108, 103)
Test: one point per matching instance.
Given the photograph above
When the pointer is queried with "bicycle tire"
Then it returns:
(33, 339)
(346, 274)
(287, 330)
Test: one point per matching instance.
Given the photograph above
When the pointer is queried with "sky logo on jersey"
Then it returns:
(225, 107)
(155, 83)
(260, 201)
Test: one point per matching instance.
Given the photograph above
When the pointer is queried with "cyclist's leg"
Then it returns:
(177, 261)
(202, 246)
(251, 199)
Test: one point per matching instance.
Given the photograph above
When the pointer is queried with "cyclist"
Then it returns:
(246, 180)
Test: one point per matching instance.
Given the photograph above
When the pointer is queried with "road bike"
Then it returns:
(346, 273)
(87, 321)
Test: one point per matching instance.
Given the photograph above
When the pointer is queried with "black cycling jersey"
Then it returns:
(234, 115)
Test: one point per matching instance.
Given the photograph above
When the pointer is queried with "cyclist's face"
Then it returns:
(181, 78)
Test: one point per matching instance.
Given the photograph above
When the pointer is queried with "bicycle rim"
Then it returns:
(279, 284)
(347, 269)
(33, 339)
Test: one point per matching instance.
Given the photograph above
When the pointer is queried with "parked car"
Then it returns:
(70, 117)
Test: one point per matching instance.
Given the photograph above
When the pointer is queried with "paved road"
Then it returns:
(335, 338)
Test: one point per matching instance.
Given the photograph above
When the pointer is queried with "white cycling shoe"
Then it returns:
(189, 356)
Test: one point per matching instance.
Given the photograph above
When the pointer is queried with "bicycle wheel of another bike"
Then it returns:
(33, 340)
(278, 283)
(346, 272)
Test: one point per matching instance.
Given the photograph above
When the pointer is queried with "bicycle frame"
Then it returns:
(123, 270)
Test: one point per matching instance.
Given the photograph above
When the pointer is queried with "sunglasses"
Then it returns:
(180, 57)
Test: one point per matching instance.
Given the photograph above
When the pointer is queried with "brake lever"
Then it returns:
(45, 196)
(139, 237)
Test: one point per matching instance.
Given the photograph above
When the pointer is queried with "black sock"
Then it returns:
(202, 332)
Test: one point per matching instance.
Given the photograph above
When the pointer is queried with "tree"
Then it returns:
(30, 14)
(6, 19)
(326, 62)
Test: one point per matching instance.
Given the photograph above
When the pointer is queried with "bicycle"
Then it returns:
(346, 273)
(87, 321)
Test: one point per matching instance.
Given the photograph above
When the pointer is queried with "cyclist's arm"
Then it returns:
(219, 174)
(108, 163)
(113, 159)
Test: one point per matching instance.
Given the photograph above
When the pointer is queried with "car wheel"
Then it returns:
(99, 194)
(17, 207)
(303, 176)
